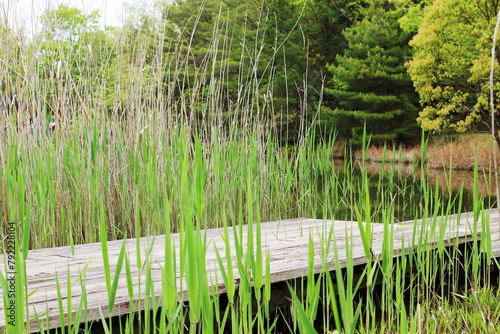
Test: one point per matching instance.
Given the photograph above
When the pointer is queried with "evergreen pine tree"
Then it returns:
(370, 83)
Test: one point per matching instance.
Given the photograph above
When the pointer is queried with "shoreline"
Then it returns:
(459, 153)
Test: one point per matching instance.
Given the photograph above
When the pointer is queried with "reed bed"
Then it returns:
(184, 161)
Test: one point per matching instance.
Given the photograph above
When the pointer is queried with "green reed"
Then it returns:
(183, 162)
(249, 182)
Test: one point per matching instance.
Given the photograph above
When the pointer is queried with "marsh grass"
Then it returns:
(184, 161)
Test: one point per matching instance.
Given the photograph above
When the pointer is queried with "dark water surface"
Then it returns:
(401, 191)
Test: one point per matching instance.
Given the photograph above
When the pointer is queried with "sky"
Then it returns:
(26, 12)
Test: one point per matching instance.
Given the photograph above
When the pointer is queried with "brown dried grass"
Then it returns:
(459, 152)
(462, 152)
(377, 154)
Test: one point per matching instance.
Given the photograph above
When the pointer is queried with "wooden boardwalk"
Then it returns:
(287, 242)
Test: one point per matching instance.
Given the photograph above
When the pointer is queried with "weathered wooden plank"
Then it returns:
(286, 241)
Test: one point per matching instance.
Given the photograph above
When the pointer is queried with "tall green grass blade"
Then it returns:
(103, 235)
(305, 324)
(116, 278)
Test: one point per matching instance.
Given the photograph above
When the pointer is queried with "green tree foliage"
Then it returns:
(68, 23)
(285, 49)
(73, 58)
(209, 57)
(236, 49)
(414, 13)
(207, 41)
(324, 23)
(450, 68)
(134, 75)
(370, 84)
(11, 71)
(239, 59)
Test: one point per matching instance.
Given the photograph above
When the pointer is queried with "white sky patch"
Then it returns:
(26, 13)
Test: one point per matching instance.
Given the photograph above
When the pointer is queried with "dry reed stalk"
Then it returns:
(492, 101)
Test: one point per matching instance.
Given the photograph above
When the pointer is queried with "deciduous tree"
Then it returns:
(450, 68)
(72, 60)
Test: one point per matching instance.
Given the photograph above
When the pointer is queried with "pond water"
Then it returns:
(403, 190)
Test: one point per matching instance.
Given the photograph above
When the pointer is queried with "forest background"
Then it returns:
(327, 66)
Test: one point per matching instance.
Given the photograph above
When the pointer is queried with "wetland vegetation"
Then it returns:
(217, 115)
